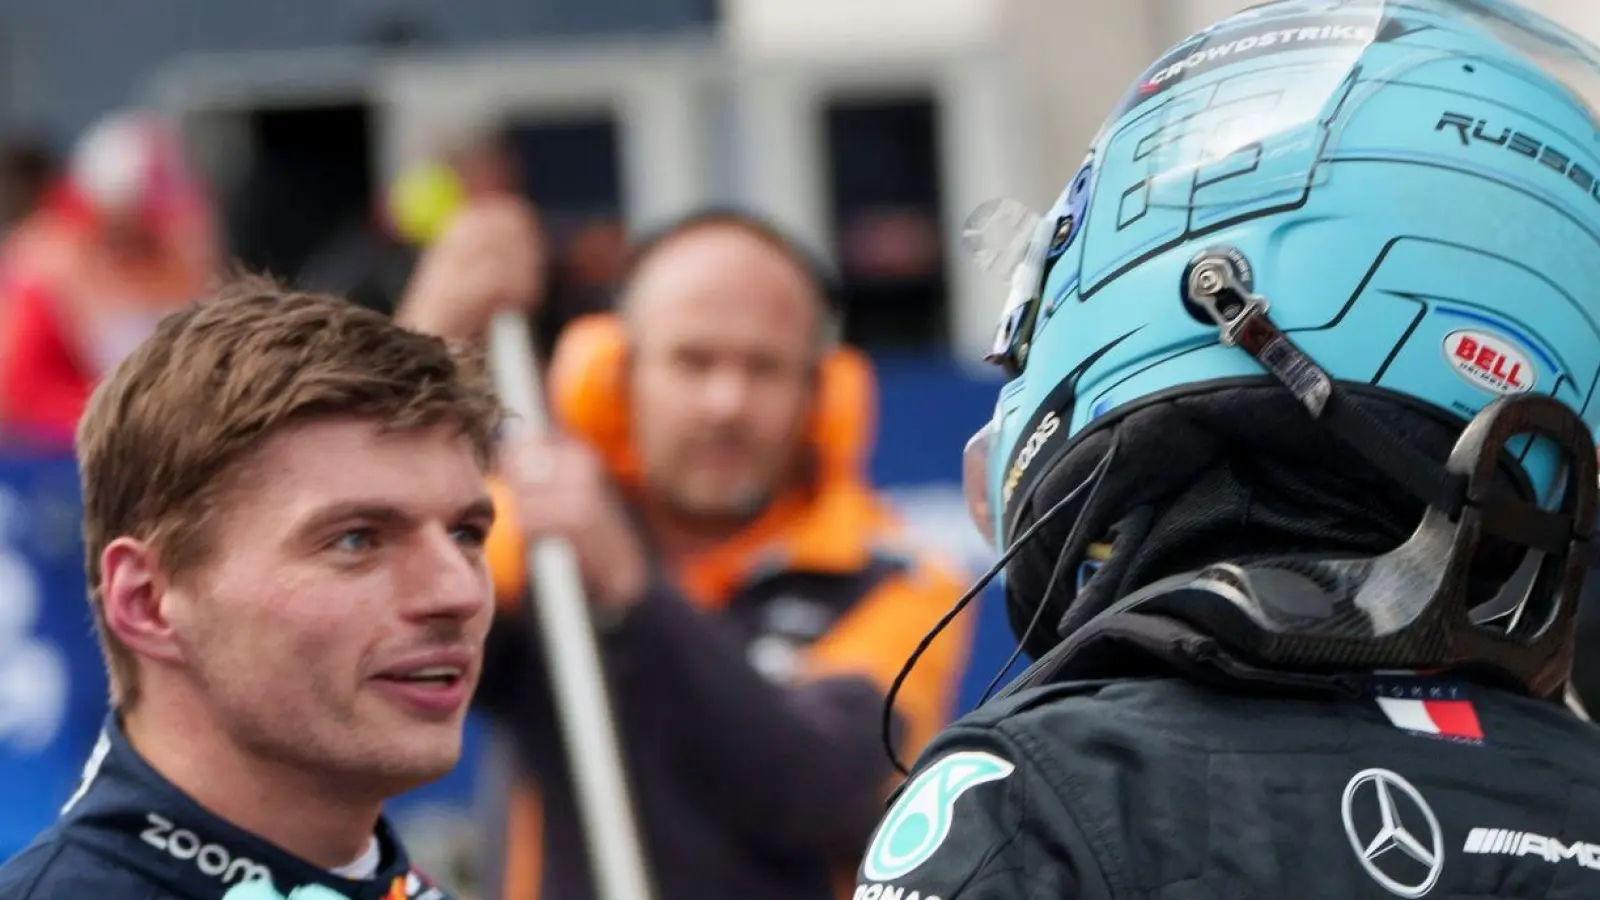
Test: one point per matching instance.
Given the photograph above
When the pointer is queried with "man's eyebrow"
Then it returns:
(352, 510)
(380, 512)
(481, 508)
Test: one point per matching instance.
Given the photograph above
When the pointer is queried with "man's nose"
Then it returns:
(449, 580)
(725, 393)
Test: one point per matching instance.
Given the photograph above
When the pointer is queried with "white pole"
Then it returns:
(577, 679)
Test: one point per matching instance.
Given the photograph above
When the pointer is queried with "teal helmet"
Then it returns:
(1348, 205)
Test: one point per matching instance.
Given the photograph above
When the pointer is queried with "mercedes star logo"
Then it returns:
(1397, 854)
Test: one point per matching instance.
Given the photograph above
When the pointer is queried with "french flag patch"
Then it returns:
(1430, 708)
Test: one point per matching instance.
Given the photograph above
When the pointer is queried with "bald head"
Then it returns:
(725, 327)
(728, 259)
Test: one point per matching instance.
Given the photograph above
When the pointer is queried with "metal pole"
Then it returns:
(557, 603)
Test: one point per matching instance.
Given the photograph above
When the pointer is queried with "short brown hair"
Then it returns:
(166, 432)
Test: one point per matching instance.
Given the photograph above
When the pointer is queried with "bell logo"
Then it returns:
(1489, 361)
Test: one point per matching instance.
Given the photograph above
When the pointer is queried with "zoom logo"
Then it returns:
(211, 859)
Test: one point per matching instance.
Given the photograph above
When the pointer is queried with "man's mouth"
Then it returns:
(721, 456)
(438, 676)
(430, 685)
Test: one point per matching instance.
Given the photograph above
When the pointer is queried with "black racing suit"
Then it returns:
(1177, 788)
(129, 834)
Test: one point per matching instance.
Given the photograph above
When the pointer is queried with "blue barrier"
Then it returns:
(52, 680)
(928, 408)
(52, 683)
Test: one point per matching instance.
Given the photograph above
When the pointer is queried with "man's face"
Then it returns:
(339, 625)
(723, 334)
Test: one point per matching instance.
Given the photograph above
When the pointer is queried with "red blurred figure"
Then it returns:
(127, 235)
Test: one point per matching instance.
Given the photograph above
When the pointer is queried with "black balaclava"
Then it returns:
(1233, 474)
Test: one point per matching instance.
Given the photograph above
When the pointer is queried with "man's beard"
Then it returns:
(727, 513)
(717, 517)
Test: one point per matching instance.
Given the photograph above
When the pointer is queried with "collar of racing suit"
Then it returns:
(1136, 645)
(127, 811)
(1123, 644)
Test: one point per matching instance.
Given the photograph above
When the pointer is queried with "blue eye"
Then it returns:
(356, 540)
(471, 535)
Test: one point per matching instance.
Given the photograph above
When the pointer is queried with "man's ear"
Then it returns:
(133, 592)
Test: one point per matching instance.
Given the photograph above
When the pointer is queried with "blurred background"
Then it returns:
(870, 128)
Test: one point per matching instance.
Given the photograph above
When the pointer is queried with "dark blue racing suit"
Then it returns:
(129, 834)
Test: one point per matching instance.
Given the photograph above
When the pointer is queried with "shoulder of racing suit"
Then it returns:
(1158, 786)
(129, 833)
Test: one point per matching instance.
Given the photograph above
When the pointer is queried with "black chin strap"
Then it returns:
(1241, 317)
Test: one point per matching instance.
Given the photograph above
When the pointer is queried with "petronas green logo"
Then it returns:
(920, 820)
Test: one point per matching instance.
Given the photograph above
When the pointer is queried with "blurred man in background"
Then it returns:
(284, 518)
(126, 236)
(755, 597)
